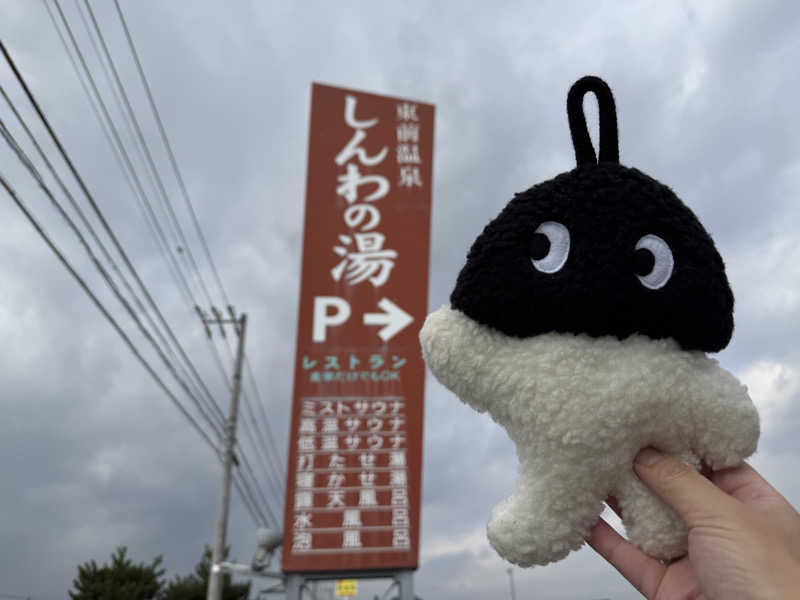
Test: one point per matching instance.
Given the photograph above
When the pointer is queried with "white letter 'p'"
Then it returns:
(322, 320)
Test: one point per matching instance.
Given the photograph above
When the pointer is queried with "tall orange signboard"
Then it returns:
(355, 454)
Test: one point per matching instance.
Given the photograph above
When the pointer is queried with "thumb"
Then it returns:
(694, 498)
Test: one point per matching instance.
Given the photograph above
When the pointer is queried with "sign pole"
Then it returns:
(294, 586)
(510, 572)
(405, 583)
(215, 577)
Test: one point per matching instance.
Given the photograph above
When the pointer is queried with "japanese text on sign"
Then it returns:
(351, 475)
(362, 252)
(368, 261)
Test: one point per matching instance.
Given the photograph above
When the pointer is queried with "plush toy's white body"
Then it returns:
(579, 409)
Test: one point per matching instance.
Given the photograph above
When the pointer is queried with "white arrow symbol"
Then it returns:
(393, 317)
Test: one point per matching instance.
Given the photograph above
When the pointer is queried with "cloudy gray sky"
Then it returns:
(93, 456)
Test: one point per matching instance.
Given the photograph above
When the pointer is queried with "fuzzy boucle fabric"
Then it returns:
(606, 208)
(579, 408)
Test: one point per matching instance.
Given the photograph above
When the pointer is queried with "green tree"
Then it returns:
(194, 586)
(121, 580)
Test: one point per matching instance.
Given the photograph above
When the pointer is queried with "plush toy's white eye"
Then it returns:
(654, 262)
(550, 247)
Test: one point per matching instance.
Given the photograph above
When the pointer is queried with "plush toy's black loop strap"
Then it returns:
(609, 143)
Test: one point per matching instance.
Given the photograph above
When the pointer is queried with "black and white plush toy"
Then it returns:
(581, 323)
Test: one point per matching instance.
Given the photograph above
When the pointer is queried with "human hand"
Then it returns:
(744, 537)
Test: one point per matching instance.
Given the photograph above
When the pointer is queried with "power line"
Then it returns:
(99, 243)
(247, 500)
(137, 146)
(173, 161)
(244, 488)
(264, 463)
(220, 366)
(126, 157)
(269, 482)
(274, 471)
(238, 440)
(102, 220)
(119, 89)
(200, 386)
(189, 205)
(229, 459)
(138, 184)
(270, 437)
(160, 184)
(38, 178)
(266, 503)
(170, 228)
(142, 197)
(106, 314)
(93, 103)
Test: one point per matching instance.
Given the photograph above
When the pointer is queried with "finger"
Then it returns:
(746, 485)
(694, 497)
(643, 572)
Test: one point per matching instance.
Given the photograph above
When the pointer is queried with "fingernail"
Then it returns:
(647, 457)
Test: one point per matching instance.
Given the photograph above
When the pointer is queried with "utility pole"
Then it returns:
(215, 577)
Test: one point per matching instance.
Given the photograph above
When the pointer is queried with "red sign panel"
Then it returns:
(355, 454)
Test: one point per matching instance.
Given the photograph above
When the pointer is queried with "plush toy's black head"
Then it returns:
(602, 250)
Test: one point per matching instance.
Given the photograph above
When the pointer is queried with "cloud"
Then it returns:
(775, 389)
(94, 456)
